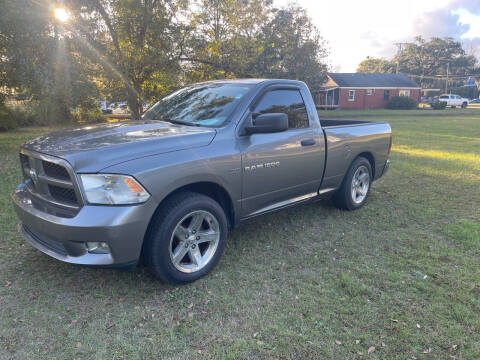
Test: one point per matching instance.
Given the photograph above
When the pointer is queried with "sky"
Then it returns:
(356, 29)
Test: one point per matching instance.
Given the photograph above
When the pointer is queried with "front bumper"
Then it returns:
(121, 227)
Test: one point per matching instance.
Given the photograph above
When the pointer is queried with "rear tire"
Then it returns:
(356, 186)
(464, 105)
(186, 238)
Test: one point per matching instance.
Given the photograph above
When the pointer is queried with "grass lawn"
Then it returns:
(400, 277)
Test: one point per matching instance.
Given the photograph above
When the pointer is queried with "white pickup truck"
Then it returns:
(454, 100)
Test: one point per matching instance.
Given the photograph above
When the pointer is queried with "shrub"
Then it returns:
(402, 103)
(47, 111)
(10, 117)
(88, 113)
(7, 121)
(440, 105)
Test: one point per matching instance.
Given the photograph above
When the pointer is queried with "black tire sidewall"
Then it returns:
(157, 249)
(346, 192)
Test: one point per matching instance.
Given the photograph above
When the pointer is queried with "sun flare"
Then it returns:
(61, 14)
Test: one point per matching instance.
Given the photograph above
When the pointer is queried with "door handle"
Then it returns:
(308, 142)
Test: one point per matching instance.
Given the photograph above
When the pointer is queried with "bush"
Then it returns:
(10, 117)
(88, 113)
(440, 105)
(402, 103)
(46, 112)
(7, 120)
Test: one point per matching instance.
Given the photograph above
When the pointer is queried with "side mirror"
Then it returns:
(268, 123)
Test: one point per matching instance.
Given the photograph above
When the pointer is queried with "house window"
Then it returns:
(386, 95)
(351, 95)
(369, 92)
(404, 93)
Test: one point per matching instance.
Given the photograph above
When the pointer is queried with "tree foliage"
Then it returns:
(435, 57)
(426, 61)
(38, 62)
(143, 49)
(133, 41)
(241, 38)
(376, 65)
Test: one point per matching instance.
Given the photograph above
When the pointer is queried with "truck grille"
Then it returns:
(50, 182)
(55, 171)
(63, 194)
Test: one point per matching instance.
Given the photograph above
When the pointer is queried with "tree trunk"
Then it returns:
(136, 107)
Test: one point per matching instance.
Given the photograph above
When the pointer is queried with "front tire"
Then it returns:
(464, 105)
(186, 238)
(356, 186)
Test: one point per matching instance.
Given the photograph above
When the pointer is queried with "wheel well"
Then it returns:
(213, 190)
(371, 160)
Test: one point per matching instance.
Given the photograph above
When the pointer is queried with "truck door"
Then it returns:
(284, 167)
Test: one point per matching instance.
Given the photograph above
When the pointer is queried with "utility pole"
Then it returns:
(446, 82)
(400, 47)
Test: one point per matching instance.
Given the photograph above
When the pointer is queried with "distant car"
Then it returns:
(428, 99)
(474, 101)
(453, 100)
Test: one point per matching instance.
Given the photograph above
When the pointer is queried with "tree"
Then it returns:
(428, 62)
(143, 49)
(376, 65)
(427, 59)
(135, 41)
(226, 40)
(293, 48)
(244, 38)
(38, 62)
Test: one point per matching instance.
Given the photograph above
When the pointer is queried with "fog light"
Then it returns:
(98, 248)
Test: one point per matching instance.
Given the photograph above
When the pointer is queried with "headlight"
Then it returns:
(113, 189)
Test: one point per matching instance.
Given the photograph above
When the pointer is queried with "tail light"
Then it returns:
(390, 146)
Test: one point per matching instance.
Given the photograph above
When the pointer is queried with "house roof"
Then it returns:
(373, 80)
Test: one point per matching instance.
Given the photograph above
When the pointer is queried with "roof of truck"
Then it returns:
(250, 81)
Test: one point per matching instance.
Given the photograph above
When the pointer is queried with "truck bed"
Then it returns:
(345, 139)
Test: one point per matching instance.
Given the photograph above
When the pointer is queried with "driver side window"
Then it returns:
(289, 102)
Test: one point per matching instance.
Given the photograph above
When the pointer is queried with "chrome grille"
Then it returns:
(50, 181)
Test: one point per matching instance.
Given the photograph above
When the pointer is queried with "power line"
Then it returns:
(443, 77)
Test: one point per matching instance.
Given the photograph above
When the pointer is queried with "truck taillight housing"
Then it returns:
(390, 146)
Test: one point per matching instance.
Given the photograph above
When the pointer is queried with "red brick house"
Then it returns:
(364, 91)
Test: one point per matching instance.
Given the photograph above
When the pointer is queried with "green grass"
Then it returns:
(403, 271)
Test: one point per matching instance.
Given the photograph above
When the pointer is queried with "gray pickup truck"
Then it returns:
(166, 189)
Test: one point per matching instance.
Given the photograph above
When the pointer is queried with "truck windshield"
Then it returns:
(199, 105)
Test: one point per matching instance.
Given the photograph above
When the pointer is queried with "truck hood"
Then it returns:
(93, 148)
